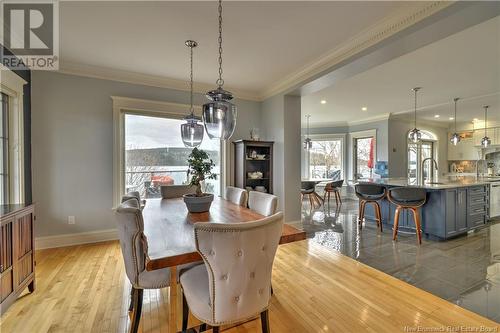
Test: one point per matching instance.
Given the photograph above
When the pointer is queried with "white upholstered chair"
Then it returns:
(176, 191)
(236, 195)
(134, 195)
(234, 285)
(262, 203)
(133, 242)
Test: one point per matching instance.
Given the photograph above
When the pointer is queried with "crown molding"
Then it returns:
(106, 73)
(373, 35)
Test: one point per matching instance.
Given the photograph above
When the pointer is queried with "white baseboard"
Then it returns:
(48, 242)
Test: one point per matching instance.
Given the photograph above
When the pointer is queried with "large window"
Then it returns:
(4, 150)
(155, 155)
(417, 152)
(364, 157)
(325, 159)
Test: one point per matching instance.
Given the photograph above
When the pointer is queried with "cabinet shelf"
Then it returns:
(243, 164)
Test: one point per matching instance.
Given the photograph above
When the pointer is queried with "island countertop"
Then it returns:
(438, 184)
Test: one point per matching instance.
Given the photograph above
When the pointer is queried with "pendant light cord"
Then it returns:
(415, 115)
(456, 100)
(220, 81)
(191, 81)
(485, 120)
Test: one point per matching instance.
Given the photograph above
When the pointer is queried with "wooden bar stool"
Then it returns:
(308, 188)
(369, 193)
(335, 188)
(408, 198)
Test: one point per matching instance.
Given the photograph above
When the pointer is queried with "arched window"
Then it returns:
(418, 152)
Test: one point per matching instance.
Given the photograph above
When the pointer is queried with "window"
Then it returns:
(325, 159)
(364, 155)
(4, 150)
(155, 155)
(417, 152)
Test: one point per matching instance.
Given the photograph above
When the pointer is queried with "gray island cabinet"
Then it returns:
(452, 208)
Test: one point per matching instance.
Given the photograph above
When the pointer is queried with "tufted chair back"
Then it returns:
(236, 195)
(262, 203)
(128, 217)
(176, 191)
(239, 259)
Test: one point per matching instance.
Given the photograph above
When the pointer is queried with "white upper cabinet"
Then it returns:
(465, 149)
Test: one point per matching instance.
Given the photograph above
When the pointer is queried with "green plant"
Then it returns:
(200, 169)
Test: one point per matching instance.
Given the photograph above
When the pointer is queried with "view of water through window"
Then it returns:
(155, 155)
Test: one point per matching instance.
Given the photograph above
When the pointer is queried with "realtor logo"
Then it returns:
(30, 31)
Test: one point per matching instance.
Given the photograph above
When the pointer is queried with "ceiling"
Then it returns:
(465, 65)
(263, 41)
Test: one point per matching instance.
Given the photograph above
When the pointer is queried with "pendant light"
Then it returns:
(415, 134)
(455, 138)
(191, 131)
(307, 142)
(485, 142)
(219, 115)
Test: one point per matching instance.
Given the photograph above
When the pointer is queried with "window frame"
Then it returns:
(326, 137)
(142, 107)
(430, 138)
(12, 85)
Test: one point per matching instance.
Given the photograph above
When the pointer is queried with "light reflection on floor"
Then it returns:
(465, 270)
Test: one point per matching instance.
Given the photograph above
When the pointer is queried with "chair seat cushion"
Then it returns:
(308, 191)
(194, 282)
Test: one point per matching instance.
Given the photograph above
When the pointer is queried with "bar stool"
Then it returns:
(308, 188)
(335, 188)
(369, 193)
(407, 198)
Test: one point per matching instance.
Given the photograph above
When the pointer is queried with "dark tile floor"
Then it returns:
(464, 270)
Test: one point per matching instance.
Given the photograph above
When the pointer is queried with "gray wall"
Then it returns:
(72, 146)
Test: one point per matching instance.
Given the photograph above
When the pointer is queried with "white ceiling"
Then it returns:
(465, 65)
(263, 41)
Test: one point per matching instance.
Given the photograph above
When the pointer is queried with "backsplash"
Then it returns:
(462, 166)
(493, 160)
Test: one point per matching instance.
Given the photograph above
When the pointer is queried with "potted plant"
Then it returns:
(200, 169)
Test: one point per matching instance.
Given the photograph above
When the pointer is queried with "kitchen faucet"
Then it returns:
(422, 169)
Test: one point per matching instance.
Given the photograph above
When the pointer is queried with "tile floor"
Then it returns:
(464, 270)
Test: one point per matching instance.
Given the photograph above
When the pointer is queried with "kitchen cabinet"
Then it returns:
(456, 211)
(464, 150)
(493, 133)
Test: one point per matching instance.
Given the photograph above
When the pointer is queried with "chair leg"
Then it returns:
(416, 216)
(337, 194)
(362, 214)
(215, 329)
(136, 315)
(396, 223)
(185, 314)
(131, 305)
(311, 201)
(203, 327)
(379, 215)
(264, 320)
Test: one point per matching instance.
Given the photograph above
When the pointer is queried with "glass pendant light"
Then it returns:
(219, 115)
(191, 131)
(455, 138)
(485, 142)
(307, 142)
(415, 134)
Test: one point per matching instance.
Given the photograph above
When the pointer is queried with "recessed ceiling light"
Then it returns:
(323, 101)
(436, 116)
(364, 108)
(451, 118)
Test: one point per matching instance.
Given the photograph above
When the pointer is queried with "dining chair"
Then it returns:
(136, 196)
(262, 203)
(176, 191)
(133, 242)
(236, 195)
(234, 285)
(308, 189)
(334, 187)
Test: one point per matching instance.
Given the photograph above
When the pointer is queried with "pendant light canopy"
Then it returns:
(415, 134)
(307, 142)
(191, 131)
(485, 141)
(455, 138)
(219, 115)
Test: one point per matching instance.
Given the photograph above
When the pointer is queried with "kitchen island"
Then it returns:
(455, 205)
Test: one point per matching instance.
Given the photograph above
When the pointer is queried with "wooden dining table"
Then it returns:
(168, 227)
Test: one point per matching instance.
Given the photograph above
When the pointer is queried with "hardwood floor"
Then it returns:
(84, 289)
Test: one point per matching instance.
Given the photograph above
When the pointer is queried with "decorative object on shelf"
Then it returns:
(415, 134)
(307, 141)
(254, 134)
(191, 131)
(261, 189)
(200, 169)
(455, 137)
(219, 115)
(485, 141)
(253, 154)
(260, 167)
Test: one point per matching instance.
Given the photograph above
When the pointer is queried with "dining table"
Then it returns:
(168, 227)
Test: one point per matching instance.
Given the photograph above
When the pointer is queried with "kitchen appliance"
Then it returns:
(495, 199)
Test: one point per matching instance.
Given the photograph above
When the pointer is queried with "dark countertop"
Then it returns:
(438, 184)
(8, 209)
